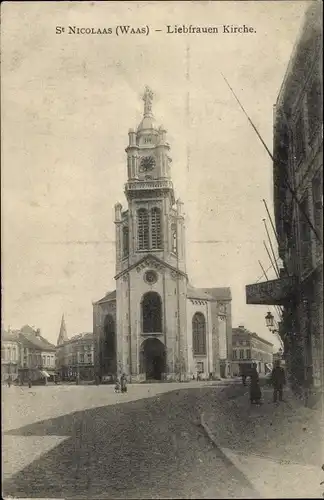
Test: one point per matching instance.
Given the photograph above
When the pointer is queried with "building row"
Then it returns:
(248, 349)
(27, 355)
(298, 208)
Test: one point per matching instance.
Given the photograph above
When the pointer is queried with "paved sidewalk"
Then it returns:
(279, 447)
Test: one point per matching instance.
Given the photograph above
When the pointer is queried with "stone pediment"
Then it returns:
(152, 262)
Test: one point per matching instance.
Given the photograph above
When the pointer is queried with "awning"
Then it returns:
(45, 374)
(273, 292)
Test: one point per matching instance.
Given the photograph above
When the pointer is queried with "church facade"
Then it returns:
(155, 325)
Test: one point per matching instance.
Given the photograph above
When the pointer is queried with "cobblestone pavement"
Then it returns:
(149, 448)
(22, 406)
(284, 441)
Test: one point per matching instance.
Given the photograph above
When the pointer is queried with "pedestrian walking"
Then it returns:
(123, 383)
(278, 380)
(255, 391)
(29, 382)
(244, 378)
(9, 381)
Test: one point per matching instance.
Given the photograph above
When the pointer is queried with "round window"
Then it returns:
(150, 277)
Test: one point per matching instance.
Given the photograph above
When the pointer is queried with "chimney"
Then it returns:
(38, 332)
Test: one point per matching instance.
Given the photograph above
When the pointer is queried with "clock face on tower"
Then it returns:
(147, 164)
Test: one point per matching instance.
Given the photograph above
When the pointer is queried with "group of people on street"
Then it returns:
(121, 384)
(277, 379)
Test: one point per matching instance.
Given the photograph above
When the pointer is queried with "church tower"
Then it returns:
(153, 222)
(155, 325)
(151, 275)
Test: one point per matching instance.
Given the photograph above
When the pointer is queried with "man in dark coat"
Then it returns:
(278, 380)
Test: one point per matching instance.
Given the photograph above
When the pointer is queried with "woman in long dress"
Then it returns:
(123, 383)
(255, 391)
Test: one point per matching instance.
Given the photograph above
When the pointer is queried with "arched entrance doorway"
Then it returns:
(153, 359)
(108, 348)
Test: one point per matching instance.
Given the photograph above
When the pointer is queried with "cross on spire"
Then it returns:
(148, 98)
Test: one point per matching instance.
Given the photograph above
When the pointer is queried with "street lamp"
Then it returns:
(270, 325)
(269, 320)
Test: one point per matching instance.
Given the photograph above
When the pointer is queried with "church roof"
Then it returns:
(209, 293)
(147, 123)
(107, 298)
(197, 293)
(223, 293)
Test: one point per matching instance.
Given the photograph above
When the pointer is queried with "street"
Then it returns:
(152, 447)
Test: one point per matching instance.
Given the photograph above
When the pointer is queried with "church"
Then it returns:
(155, 325)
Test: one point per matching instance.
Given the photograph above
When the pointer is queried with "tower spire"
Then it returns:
(62, 335)
(148, 98)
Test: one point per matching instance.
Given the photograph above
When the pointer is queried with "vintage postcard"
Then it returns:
(162, 249)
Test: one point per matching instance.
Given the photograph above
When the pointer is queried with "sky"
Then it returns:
(67, 104)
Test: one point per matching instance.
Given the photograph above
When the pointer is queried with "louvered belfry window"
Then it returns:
(156, 239)
(143, 229)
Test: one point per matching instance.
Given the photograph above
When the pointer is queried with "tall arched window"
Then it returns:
(152, 313)
(156, 237)
(125, 241)
(142, 229)
(174, 238)
(199, 334)
(108, 346)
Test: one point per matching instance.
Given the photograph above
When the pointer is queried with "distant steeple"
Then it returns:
(62, 335)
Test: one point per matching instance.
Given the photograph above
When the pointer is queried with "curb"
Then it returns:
(226, 459)
(211, 437)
